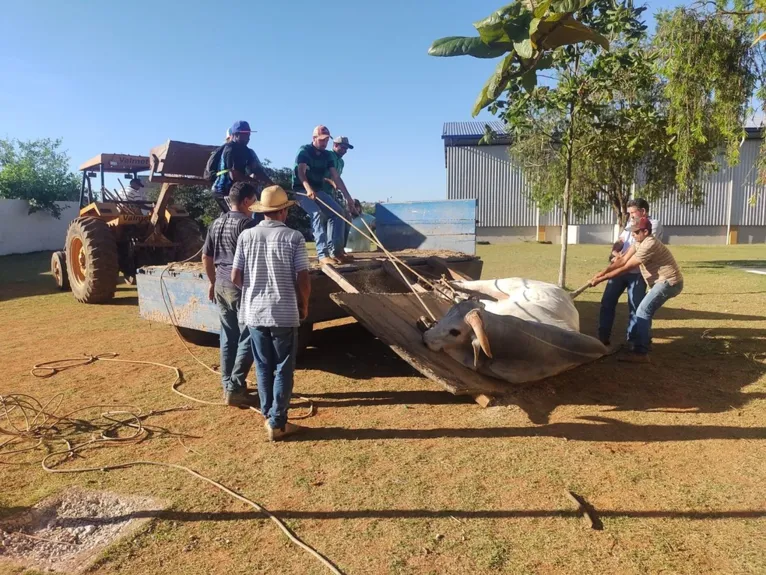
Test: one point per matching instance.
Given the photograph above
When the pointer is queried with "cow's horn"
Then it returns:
(473, 318)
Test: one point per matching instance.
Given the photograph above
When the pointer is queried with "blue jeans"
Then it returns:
(658, 295)
(636, 287)
(236, 355)
(328, 228)
(275, 350)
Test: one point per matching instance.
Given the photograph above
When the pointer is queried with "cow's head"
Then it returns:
(461, 327)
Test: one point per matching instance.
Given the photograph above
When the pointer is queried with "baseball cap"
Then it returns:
(343, 140)
(240, 127)
(643, 224)
(138, 182)
(321, 132)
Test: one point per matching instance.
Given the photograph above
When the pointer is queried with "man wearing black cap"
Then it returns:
(662, 275)
(238, 164)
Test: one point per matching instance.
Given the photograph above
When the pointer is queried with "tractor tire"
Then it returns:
(91, 260)
(58, 269)
(186, 232)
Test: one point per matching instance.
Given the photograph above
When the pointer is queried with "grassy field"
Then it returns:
(396, 476)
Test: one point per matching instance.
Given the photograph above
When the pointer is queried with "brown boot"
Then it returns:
(327, 261)
(277, 434)
(343, 258)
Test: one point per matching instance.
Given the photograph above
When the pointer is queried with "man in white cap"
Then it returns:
(313, 164)
(272, 268)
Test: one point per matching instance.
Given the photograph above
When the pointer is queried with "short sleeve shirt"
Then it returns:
(221, 244)
(627, 239)
(234, 156)
(657, 263)
(270, 256)
(338, 164)
(318, 164)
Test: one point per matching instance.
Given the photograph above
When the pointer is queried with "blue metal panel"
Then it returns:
(442, 225)
(185, 290)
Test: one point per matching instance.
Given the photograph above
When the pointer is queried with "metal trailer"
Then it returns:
(434, 238)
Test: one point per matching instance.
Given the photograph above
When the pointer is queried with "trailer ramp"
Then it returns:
(392, 318)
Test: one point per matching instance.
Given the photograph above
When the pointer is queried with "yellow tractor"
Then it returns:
(114, 235)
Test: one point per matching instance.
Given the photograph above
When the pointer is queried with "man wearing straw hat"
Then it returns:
(272, 268)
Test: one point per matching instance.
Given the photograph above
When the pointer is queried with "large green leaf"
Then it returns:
(542, 8)
(495, 84)
(565, 32)
(524, 49)
(491, 28)
(466, 46)
(569, 5)
(529, 81)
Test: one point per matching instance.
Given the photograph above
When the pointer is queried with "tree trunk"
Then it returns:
(566, 208)
(565, 211)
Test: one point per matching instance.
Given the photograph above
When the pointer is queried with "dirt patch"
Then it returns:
(65, 532)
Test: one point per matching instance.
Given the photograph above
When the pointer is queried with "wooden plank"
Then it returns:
(442, 266)
(484, 400)
(410, 282)
(393, 317)
(333, 274)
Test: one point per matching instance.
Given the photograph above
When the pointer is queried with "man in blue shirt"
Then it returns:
(238, 163)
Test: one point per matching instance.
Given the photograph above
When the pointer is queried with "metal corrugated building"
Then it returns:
(505, 212)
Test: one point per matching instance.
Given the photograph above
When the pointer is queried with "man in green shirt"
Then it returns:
(340, 146)
(313, 164)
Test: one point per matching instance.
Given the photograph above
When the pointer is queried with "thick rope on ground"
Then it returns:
(25, 418)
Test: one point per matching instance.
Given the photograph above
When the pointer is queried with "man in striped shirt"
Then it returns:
(661, 273)
(217, 257)
(272, 268)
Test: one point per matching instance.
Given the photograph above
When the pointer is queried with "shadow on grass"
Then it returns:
(466, 514)
(691, 373)
(593, 429)
(720, 264)
(349, 350)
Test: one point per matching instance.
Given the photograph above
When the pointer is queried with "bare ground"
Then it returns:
(397, 476)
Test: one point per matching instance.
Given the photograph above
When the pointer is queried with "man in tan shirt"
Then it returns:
(662, 275)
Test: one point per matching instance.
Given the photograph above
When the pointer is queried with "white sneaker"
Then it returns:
(277, 434)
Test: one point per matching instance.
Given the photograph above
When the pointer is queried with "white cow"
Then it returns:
(530, 332)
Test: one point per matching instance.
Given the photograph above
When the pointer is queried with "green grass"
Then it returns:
(670, 455)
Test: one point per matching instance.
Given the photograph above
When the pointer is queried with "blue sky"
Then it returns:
(124, 77)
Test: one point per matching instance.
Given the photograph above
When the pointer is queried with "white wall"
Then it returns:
(22, 233)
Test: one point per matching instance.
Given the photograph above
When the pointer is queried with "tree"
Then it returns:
(37, 171)
(524, 33)
(561, 131)
(711, 69)
(626, 140)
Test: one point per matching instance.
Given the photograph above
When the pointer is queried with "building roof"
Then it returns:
(469, 133)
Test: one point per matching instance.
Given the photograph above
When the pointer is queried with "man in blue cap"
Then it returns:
(238, 164)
